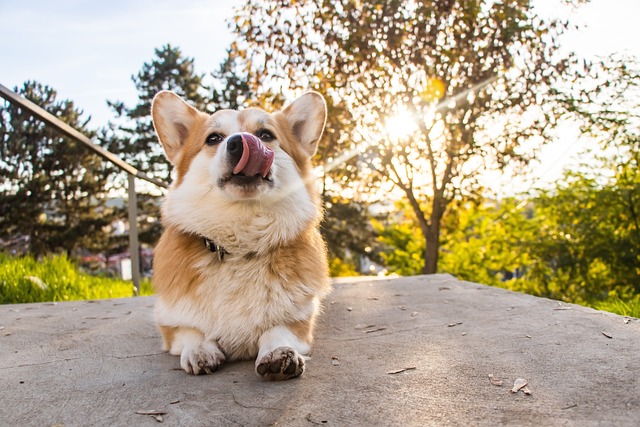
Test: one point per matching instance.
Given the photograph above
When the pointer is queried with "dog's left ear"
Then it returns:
(172, 119)
(307, 116)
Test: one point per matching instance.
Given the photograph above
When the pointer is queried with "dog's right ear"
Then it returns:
(172, 119)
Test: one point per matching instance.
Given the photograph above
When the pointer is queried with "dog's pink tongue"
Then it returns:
(256, 157)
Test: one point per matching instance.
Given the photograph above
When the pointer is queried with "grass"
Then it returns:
(56, 278)
(629, 308)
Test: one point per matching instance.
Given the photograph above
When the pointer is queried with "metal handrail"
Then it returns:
(131, 171)
(52, 120)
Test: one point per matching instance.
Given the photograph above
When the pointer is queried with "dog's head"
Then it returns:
(233, 162)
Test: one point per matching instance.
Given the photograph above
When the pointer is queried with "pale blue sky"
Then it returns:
(88, 50)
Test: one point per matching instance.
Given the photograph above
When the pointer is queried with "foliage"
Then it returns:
(347, 230)
(459, 71)
(589, 248)
(487, 243)
(401, 246)
(589, 242)
(576, 243)
(340, 268)
(52, 187)
(55, 278)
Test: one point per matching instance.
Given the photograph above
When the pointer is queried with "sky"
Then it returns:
(88, 50)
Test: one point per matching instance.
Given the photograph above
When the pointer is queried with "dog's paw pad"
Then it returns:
(202, 359)
(281, 364)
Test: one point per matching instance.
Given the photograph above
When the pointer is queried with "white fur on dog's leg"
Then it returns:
(197, 355)
(281, 354)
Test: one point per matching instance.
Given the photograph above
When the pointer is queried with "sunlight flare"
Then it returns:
(401, 125)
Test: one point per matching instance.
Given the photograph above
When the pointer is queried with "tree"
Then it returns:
(52, 187)
(132, 135)
(578, 241)
(401, 245)
(589, 247)
(467, 82)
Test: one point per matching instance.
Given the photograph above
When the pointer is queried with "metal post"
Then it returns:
(133, 234)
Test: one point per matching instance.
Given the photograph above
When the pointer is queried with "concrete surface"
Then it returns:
(99, 363)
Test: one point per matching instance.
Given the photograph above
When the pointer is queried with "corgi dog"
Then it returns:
(241, 269)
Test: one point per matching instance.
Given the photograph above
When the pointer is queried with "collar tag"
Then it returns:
(213, 247)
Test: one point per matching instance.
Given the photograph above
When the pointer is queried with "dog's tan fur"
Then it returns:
(262, 299)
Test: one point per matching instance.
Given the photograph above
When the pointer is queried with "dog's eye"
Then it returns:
(214, 138)
(265, 135)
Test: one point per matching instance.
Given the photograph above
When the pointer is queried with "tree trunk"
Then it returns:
(430, 228)
(431, 250)
(432, 237)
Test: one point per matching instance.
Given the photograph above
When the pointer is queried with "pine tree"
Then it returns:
(51, 186)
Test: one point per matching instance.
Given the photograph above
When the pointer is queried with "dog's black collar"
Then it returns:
(213, 247)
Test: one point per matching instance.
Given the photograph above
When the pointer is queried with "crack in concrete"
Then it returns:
(49, 362)
(252, 406)
(26, 365)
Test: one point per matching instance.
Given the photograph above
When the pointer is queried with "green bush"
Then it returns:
(56, 278)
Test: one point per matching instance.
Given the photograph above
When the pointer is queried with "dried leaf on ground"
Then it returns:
(526, 390)
(151, 412)
(451, 325)
(607, 334)
(495, 381)
(518, 384)
(398, 371)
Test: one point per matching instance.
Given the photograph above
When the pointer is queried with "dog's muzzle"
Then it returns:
(248, 156)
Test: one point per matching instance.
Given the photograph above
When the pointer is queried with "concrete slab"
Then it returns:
(406, 351)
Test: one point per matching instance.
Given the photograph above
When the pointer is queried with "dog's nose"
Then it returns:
(248, 156)
(235, 148)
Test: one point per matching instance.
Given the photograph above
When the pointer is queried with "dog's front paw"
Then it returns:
(281, 364)
(203, 358)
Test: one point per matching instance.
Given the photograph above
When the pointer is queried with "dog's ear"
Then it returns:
(307, 116)
(172, 119)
